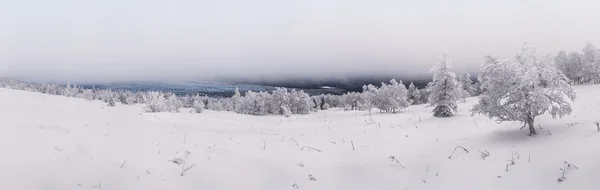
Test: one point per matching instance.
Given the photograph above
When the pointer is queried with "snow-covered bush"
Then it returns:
(198, 105)
(445, 90)
(280, 99)
(389, 97)
(155, 102)
(523, 88)
(353, 101)
(299, 102)
(173, 103)
(255, 103)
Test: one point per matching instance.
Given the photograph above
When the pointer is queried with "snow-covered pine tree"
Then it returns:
(445, 90)
(523, 88)
(466, 84)
(417, 99)
(235, 99)
(410, 97)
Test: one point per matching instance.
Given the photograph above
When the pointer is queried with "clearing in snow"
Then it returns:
(53, 142)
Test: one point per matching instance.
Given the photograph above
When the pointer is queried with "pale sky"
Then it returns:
(120, 40)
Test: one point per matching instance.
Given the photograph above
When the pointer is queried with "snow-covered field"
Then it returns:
(52, 142)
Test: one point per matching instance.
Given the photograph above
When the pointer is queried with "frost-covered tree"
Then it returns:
(523, 88)
(280, 101)
(389, 97)
(591, 63)
(255, 103)
(466, 84)
(299, 102)
(353, 101)
(235, 100)
(215, 104)
(445, 90)
(410, 96)
(173, 103)
(367, 97)
(155, 102)
(198, 105)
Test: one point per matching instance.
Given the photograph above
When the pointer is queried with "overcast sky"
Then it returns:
(112, 40)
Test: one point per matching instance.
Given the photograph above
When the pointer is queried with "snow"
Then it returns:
(54, 142)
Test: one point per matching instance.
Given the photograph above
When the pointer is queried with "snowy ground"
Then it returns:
(52, 142)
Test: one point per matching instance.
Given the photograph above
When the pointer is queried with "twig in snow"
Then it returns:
(467, 151)
(529, 158)
(352, 145)
(484, 154)
(393, 159)
(512, 160)
(295, 141)
(564, 171)
(311, 177)
(185, 137)
(420, 119)
(597, 123)
(310, 148)
(123, 164)
(569, 165)
(475, 123)
(99, 185)
(295, 185)
(416, 127)
(300, 164)
(427, 167)
(190, 167)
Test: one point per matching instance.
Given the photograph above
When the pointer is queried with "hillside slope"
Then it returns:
(52, 142)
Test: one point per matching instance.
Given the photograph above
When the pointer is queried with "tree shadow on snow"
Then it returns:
(513, 135)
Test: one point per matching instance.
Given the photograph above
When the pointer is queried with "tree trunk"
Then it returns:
(531, 126)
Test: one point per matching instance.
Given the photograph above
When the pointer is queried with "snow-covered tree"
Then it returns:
(173, 103)
(280, 101)
(591, 63)
(155, 102)
(389, 97)
(232, 103)
(299, 102)
(198, 105)
(410, 96)
(215, 103)
(466, 84)
(445, 90)
(353, 100)
(523, 88)
(255, 103)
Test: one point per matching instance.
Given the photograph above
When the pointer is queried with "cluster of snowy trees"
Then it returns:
(517, 89)
(580, 67)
